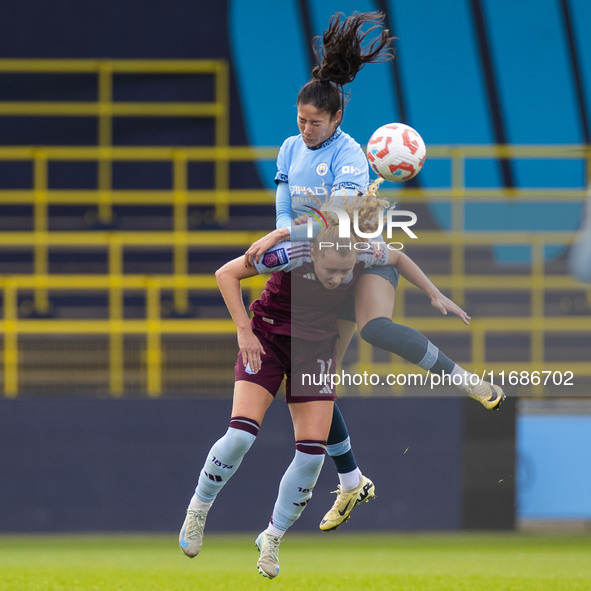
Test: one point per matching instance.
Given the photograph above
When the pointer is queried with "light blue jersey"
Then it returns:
(307, 176)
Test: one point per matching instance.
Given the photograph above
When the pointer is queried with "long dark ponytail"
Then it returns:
(344, 50)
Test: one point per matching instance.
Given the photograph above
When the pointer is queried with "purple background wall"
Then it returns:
(84, 465)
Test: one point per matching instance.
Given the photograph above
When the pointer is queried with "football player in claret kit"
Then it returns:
(324, 161)
(287, 336)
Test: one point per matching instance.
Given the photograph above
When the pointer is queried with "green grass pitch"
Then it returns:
(323, 562)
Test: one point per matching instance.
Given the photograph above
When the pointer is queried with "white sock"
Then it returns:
(464, 384)
(198, 505)
(350, 480)
(274, 531)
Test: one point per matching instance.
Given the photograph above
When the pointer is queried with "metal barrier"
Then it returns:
(537, 283)
(115, 284)
(105, 108)
(153, 326)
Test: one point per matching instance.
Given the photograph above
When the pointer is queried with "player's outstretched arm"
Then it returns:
(228, 278)
(282, 223)
(413, 273)
(262, 245)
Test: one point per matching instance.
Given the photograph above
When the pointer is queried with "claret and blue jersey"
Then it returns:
(294, 302)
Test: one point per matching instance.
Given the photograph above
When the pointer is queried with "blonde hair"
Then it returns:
(365, 208)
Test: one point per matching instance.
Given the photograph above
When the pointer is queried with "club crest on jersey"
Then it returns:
(275, 258)
(322, 169)
(311, 276)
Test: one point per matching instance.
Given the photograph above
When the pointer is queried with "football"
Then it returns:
(396, 152)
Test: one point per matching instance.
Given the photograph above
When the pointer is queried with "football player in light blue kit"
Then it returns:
(323, 160)
(306, 175)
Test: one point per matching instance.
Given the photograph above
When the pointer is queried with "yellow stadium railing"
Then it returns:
(537, 283)
(105, 109)
(180, 197)
(153, 326)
